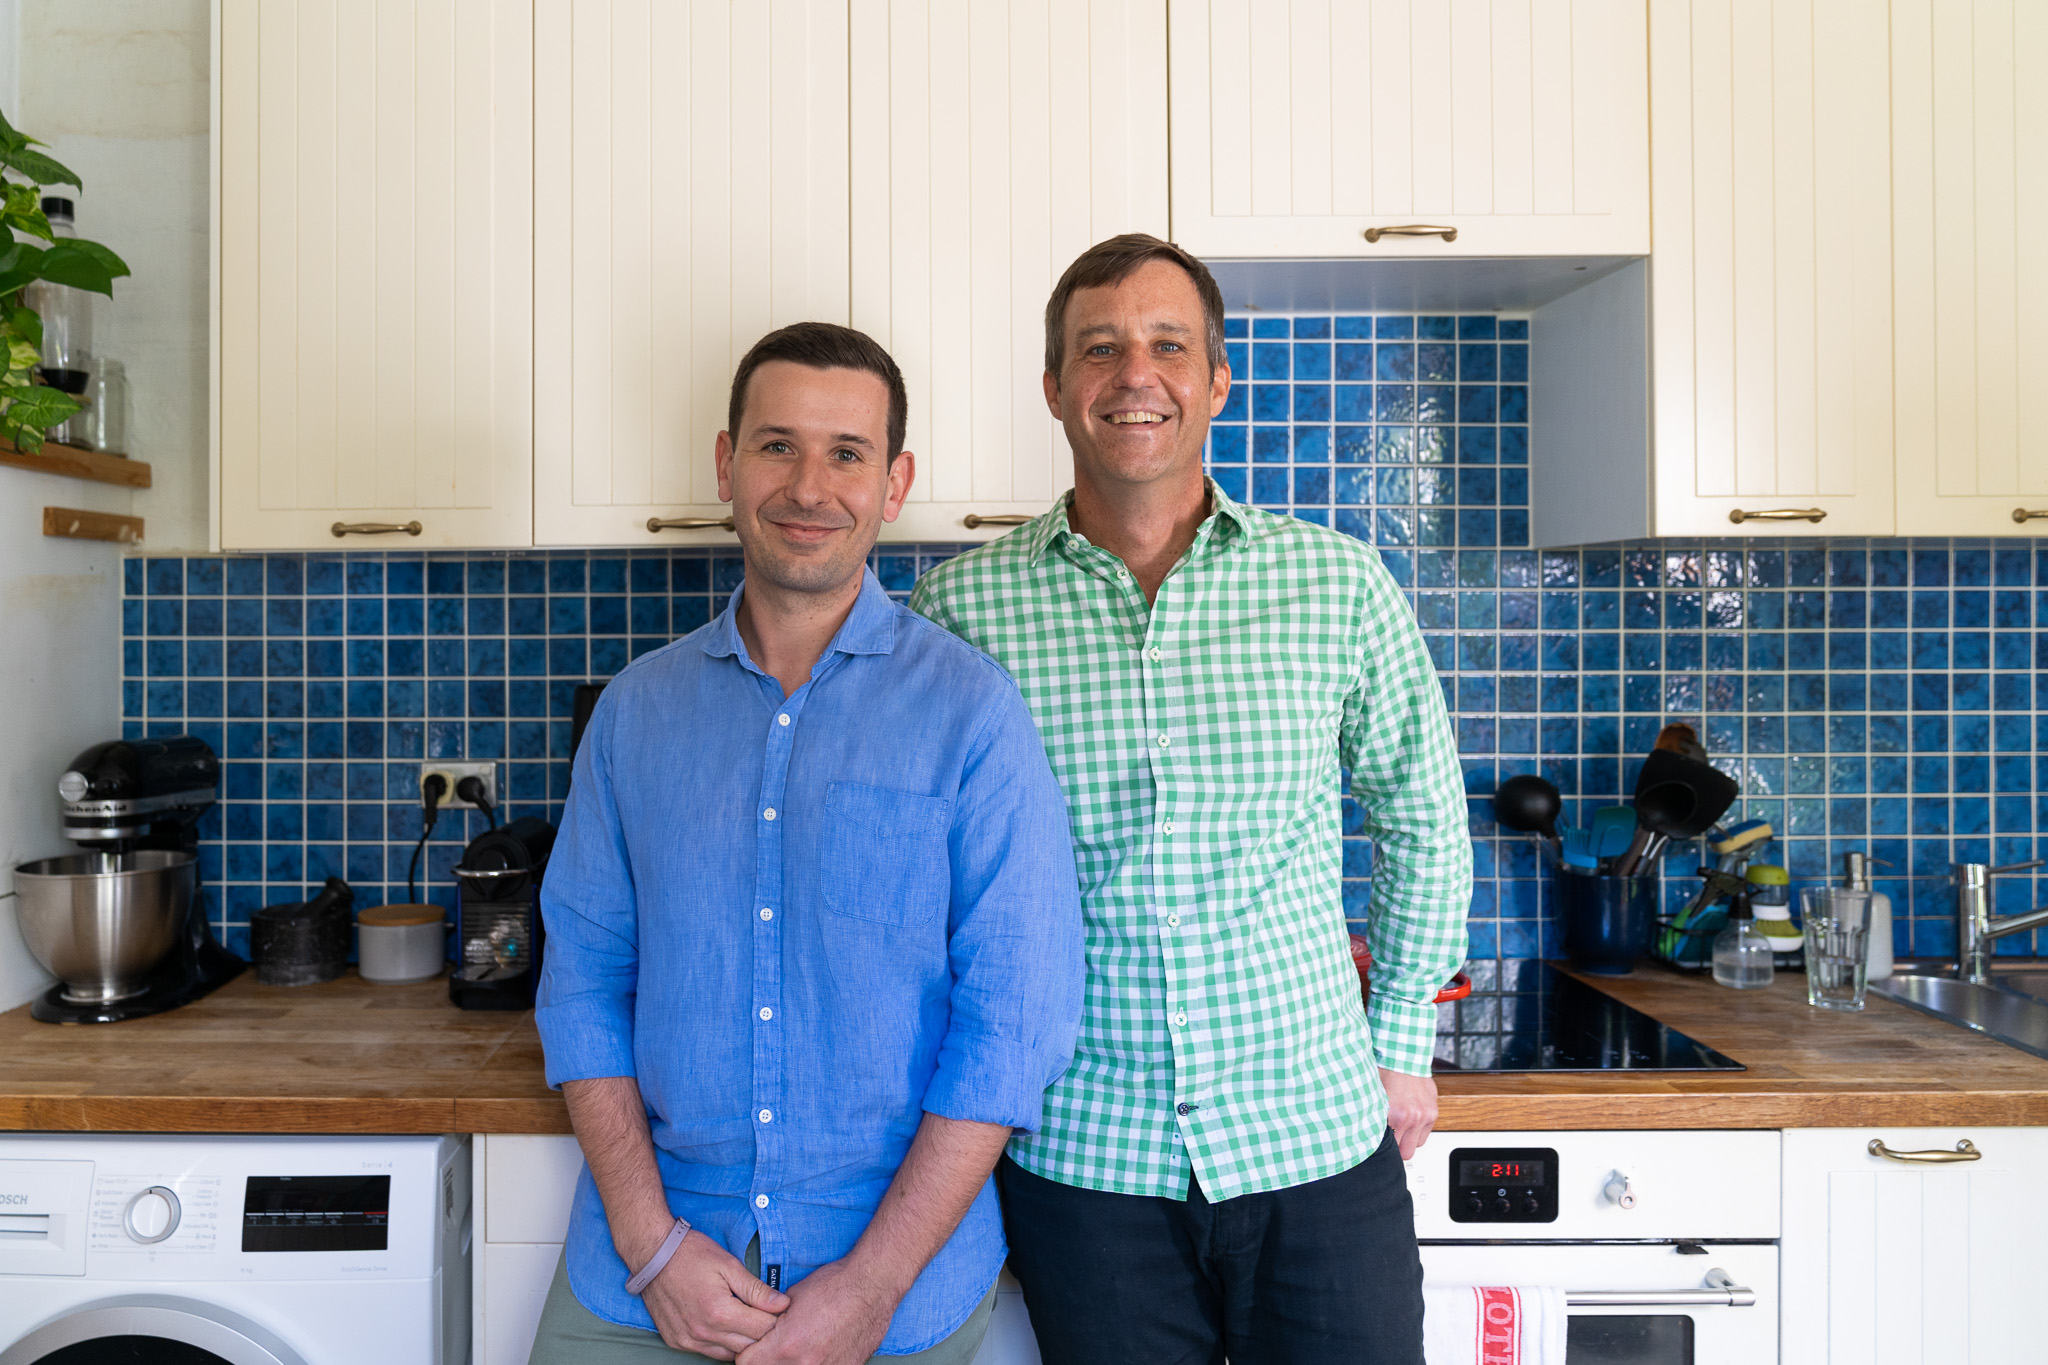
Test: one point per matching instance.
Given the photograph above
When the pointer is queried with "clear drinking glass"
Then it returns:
(1837, 926)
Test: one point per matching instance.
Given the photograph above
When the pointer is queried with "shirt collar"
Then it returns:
(870, 628)
(1050, 529)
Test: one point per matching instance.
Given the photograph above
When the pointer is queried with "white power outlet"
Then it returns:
(455, 772)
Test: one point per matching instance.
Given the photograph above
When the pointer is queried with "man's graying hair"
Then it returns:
(1116, 260)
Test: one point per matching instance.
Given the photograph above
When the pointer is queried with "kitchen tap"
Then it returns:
(1975, 924)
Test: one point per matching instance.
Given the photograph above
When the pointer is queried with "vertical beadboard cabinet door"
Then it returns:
(991, 144)
(1300, 124)
(1771, 301)
(693, 154)
(374, 273)
(1903, 1262)
(1970, 205)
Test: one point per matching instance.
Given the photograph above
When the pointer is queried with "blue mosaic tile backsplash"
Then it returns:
(1877, 695)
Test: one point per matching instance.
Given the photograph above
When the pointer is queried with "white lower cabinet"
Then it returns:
(1890, 1261)
(523, 1186)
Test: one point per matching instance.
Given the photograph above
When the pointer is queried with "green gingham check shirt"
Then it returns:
(1198, 741)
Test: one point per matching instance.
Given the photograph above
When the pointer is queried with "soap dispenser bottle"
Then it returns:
(1856, 877)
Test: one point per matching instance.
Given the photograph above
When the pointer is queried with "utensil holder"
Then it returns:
(1607, 920)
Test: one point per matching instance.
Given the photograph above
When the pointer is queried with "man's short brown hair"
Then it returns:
(823, 346)
(1112, 262)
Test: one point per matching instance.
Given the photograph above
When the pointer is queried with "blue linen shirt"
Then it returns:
(801, 924)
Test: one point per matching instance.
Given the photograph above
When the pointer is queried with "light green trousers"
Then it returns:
(571, 1334)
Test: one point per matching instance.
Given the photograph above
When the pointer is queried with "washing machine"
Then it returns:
(244, 1250)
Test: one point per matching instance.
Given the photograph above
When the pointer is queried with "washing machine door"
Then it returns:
(150, 1330)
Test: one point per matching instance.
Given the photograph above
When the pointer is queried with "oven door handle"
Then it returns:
(1722, 1292)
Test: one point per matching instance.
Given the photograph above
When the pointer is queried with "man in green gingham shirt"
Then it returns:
(1219, 1170)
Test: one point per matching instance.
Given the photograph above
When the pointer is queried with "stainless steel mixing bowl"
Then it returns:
(101, 921)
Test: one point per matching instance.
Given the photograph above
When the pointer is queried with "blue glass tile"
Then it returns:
(1354, 402)
(566, 574)
(1394, 363)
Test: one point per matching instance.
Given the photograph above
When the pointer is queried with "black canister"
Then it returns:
(1607, 920)
(302, 943)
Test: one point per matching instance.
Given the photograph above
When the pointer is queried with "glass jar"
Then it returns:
(103, 426)
(1742, 956)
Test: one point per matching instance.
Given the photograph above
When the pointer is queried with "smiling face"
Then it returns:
(808, 474)
(1135, 390)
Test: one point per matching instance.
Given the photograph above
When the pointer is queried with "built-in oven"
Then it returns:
(1665, 1243)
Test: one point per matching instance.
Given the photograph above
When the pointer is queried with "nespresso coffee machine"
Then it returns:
(498, 933)
(124, 801)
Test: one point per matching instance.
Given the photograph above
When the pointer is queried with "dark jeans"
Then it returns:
(1325, 1273)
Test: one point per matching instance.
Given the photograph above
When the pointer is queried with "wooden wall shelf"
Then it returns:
(73, 462)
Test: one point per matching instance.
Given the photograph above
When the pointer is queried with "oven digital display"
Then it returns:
(316, 1213)
(1523, 1174)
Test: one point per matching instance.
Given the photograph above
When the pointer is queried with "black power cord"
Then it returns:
(433, 787)
(471, 789)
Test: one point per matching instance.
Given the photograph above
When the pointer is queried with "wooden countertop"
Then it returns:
(348, 1057)
(342, 1057)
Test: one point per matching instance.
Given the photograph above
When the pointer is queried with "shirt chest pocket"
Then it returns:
(882, 855)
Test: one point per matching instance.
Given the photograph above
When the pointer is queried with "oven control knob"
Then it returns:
(151, 1215)
(1619, 1191)
(1501, 1205)
(1531, 1205)
(1474, 1205)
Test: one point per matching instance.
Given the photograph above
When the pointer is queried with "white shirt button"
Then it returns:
(767, 1116)
(1123, 573)
(1180, 1021)
(1165, 740)
(766, 1013)
(1153, 654)
(766, 913)
(768, 814)
(760, 1201)
(1166, 828)
(1173, 921)
(782, 720)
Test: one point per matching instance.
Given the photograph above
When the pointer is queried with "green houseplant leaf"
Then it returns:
(27, 409)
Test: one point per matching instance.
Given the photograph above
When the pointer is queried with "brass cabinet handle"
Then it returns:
(1738, 516)
(374, 528)
(974, 519)
(2024, 515)
(1966, 1150)
(689, 523)
(1449, 234)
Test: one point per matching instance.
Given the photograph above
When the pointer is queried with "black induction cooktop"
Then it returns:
(1525, 1015)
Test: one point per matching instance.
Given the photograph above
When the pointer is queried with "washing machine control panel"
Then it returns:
(165, 1213)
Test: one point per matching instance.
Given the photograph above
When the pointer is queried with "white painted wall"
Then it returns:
(118, 88)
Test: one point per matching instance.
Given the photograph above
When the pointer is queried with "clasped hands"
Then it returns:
(705, 1301)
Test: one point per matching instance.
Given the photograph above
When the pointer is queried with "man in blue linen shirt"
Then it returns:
(814, 940)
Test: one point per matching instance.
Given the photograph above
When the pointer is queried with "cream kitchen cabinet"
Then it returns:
(1969, 133)
(1302, 128)
(1770, 291)
(993, 143)
(699, 154)
(374, 359)
(1896, 1260)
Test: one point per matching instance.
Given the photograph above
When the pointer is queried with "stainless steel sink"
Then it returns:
(2013, 1008)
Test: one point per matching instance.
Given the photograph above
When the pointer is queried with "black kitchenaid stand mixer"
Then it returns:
(124, 796)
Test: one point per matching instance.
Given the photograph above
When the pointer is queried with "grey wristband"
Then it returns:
(659, 1261)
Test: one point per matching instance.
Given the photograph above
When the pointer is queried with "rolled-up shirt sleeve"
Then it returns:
(592, 965)
(1014, 931)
